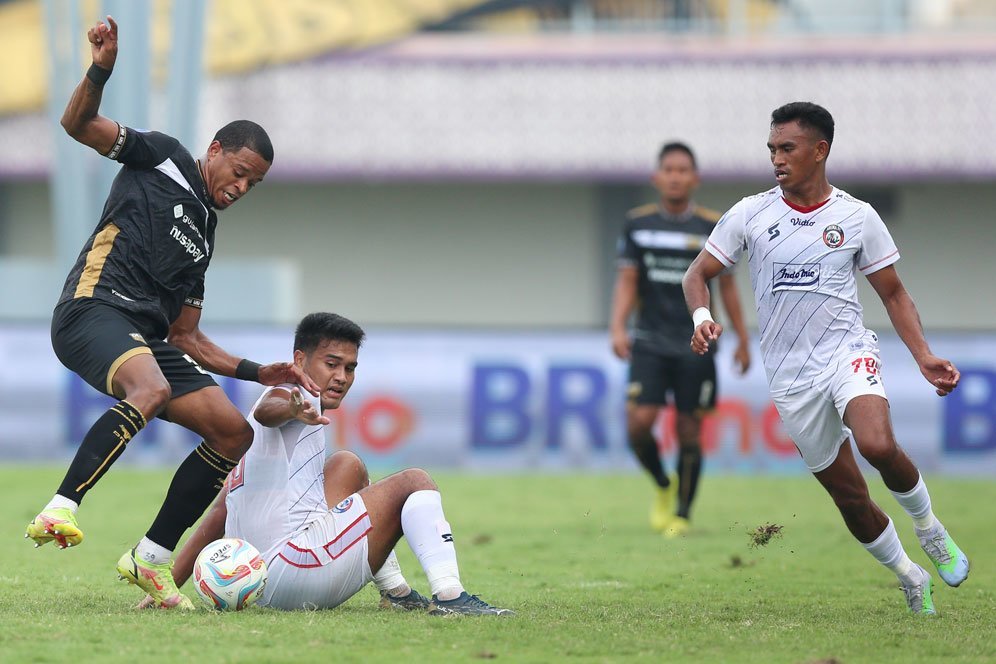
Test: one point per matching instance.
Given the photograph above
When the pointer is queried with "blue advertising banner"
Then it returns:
(508, 401)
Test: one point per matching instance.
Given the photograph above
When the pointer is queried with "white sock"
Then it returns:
(431, 539)
(151, 552)
(916, 502)
(888, 550)
(389, 578)
(61, 501)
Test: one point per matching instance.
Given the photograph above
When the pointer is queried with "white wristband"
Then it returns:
(700, 316)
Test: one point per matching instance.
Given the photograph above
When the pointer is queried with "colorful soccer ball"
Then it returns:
(229, 574)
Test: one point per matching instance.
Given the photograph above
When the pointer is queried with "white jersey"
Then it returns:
(802, 266)
(279, 485)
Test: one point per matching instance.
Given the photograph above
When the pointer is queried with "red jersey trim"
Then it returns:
(880, 260)
(805, 210)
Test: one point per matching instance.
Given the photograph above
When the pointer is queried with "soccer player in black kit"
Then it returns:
(127, 320)
(658, 243)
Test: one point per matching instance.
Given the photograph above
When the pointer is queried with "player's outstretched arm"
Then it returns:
(81, 119)
(280, 406)
(695, 284)
(623, 300)
(185, 334)
(731, 302)
(940, 373)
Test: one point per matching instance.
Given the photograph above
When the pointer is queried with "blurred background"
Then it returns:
(453, 175)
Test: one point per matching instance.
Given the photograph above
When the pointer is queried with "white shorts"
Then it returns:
(323, 565)
(814, 417)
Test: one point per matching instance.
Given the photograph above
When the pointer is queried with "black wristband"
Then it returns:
(248, 370)
(98, 75)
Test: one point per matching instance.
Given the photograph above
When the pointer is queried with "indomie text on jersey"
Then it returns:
(795, 276)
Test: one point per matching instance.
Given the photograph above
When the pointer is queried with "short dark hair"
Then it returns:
(809, 116)
(245, 134)
(677, 146)
(318, 327)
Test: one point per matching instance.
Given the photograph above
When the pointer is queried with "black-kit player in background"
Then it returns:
(658, 243)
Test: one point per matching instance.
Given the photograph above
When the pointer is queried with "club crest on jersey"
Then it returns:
(795, 276)
(833, 236)
(343, 506)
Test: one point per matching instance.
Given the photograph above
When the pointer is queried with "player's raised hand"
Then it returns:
(706, 333)
(940, 373)
(305, 411)
(103, 39)
(287, 372)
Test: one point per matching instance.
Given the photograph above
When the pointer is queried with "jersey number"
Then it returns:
(870, 365)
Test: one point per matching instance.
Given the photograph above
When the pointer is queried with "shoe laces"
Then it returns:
(914, 597)
(477, 602)
(936, 546)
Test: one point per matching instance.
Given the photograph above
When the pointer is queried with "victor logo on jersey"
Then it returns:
(833, 236)
(795, 276)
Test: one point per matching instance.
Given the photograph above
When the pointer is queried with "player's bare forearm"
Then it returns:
(623, 301)
(205, 352)
(81, 119)
(281, 406)
(695, 283)
(901, 309)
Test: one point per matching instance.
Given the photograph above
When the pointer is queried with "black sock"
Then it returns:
(196, 483)
(645, 449)
(689, 469)
(102, 445)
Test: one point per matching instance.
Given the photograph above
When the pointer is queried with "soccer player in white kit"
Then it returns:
(805, 239)
(319, 524)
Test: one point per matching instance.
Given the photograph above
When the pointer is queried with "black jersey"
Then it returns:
(661, 246)
(153, 244)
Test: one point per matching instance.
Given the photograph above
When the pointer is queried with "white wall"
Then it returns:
(513, 254)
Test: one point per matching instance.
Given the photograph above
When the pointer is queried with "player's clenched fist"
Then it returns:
(706, 333)
(103, 39)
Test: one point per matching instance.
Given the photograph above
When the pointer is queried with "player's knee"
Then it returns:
(347, 462)
(151, 397)
(236, 440)
(879, 453)
(419, 480)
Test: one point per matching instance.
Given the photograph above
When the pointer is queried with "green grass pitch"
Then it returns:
(572, 554)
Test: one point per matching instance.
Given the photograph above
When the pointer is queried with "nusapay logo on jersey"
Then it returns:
(795, 276)
(188, 245)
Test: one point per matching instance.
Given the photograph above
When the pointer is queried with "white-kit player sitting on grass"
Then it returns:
(320, 525)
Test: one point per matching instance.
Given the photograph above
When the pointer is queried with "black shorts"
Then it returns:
(690, 378)
(93, 339)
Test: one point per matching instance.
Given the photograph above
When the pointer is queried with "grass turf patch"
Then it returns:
(572, 554)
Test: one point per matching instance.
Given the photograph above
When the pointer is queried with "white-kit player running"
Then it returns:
(278, 499)
(804, 240)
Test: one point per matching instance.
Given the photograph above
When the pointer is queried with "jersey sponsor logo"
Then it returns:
(796, 221)
(189, 245)
(833, 236)
(122, 296)
(343, 506)
(795, 276)
(177, 211)
(773, 231)
(665, 269)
